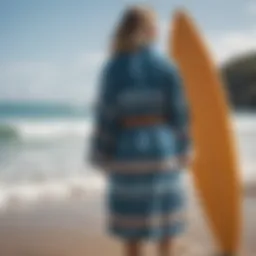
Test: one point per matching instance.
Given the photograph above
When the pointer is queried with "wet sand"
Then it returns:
(75, 227)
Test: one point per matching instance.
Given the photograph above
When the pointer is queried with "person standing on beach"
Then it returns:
(140, 137)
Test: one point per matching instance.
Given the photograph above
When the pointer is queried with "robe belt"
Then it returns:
(143, 121)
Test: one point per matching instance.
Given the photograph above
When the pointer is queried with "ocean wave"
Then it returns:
(244, 124)
(22, 195)
(44, 130)
(49, 129)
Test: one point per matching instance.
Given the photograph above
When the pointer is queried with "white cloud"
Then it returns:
(71, 81)
(251, 8)
(90, 60)
(26, 78)
(228, 44)
(76, 80)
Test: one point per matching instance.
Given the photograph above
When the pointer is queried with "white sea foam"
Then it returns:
(244, 123)
(22, 195)
(50, 129)
(64, 181)
(30, 129)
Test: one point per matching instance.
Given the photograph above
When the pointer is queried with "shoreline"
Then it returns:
(74, 226)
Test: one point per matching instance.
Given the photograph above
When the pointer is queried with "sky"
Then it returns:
(53, 50)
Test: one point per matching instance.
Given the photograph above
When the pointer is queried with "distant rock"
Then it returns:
(240, 76)
(8, 133)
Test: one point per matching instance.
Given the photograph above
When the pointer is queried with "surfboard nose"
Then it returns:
(180, 25)
(180, 15)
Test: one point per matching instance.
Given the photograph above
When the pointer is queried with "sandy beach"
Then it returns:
(52, 202)
(74, 226)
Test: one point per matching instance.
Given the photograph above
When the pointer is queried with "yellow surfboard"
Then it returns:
(215, 168)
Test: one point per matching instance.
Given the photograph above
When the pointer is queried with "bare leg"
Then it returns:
(133, 248)
(165, 247)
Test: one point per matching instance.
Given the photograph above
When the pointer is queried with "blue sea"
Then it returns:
(44, 146)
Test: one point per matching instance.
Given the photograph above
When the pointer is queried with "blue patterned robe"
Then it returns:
(145, 192)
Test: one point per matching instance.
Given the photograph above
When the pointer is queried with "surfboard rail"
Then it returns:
(215, 169)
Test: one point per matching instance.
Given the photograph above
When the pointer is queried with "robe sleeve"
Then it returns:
(106, 124)
(177, 111)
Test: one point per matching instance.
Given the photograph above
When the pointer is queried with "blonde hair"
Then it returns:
(131, 32)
